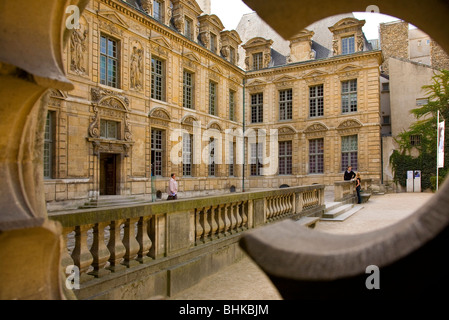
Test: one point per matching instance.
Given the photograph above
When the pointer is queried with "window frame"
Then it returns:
(156, 75)
(232, 104)
(317, 156)
(257, 60)
(285, 158)
(349, 153)
(350, 46)
(106, 59)
(257, 107)
(285, 104)
(188, 90)
(317, 99)
(157, 152)
(49, 146)
(187, 155)
(349, 94)
(213, 98)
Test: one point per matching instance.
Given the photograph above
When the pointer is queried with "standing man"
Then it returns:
(349, 174)
(172, 188)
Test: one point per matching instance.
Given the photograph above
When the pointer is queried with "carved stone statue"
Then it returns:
(205, 39)
(136, 69)
(147, 6)
(247, 62)
(335, 46)
(360, 43)
(266, 59)
(78, 49)
(225, 51)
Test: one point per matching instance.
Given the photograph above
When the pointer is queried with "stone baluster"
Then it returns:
(81, 255)
(278, 207)
(282, 205)
(212, 219)
(270, 209)
(199, 230)
(99, 251)
(244, 209)
(221, 223)
(227, 220)
(130, 242)
(291, 201)
(116, 247)
(143, 239)
(238, 215)
(232, 216)
(66, 259)
(205, 224)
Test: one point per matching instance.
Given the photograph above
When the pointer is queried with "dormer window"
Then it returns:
(232, 55)
(257, 61)
(158, 10)
(348, 45)
(188, 30)
(213, 43)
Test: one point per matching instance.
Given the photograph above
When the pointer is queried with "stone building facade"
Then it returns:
(158, 87)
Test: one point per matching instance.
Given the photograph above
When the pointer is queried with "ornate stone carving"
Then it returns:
(128, 135)
(79, 45)
(316, 127)
(360, 42)
(266, 59)
(205, 39)
(285, 130)
(98, 94)
(349, 124)
(147, 6)
(335, 47)
(94, 127)
(136, 68)
(160, 114)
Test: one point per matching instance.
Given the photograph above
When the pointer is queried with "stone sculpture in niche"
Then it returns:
(136, 68)
(78, 49)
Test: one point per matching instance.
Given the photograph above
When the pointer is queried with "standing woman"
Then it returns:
(358, 187)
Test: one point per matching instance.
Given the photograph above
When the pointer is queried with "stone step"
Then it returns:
(309, 222)
(345, 215)
(336, 211)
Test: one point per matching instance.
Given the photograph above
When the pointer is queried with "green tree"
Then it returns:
(426, 128)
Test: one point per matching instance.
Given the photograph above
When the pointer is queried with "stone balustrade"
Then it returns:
(106, 243)
(345, 190)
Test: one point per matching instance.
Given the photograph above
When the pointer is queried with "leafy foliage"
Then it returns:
(426, 128)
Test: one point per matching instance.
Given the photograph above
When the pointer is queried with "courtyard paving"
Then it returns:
(244, 280)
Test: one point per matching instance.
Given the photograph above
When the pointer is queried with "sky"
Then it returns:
(231, 11)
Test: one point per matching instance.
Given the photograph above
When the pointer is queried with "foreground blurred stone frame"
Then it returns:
(305, 264)
(32, 35)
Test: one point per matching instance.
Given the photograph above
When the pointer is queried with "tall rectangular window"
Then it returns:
(213, 98)
(257, 108)
(157, 79)
(188, 89)
(348, 45)
(158, 10)
(187, 154)
(349, 151)
(211, 157)
(213, 43)
(256, 150)
(316, 156)
(316, 101)
(349, 96)
(109, 62)
(232, 55)
(285, 157)
(49, 146)
(109, 129)
(156, 151)
(188, 30)
(231, 158)
(231, 105)
(257, 61)
(285, 104)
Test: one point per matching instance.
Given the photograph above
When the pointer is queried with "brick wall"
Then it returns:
(439, 57)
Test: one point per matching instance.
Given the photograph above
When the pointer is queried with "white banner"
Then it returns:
(441, 145)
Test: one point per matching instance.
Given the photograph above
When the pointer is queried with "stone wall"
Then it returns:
(439, 58)
(394, 42)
